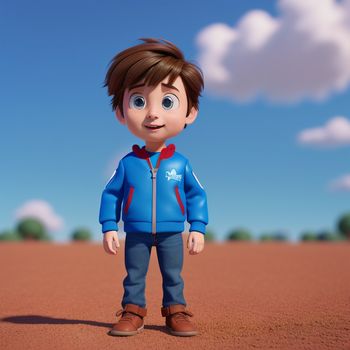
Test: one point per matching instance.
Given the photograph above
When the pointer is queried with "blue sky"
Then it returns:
(60, 140)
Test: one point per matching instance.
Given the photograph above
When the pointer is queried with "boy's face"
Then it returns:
(162, 107)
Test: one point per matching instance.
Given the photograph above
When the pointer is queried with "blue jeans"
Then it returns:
(138, 248)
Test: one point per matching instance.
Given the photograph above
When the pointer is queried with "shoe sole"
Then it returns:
(182, 334)
(125, 334)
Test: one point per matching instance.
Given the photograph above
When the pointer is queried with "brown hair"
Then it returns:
(152, 61)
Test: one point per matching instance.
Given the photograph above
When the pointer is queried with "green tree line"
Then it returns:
(33, 229)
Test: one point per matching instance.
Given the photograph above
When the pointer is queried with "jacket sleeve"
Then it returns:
(196, 201)
(111, 201)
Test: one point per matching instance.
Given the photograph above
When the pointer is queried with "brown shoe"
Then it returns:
(177, 320)
(131, 322)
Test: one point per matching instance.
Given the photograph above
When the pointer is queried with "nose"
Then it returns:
(153, 111)
(151, 115)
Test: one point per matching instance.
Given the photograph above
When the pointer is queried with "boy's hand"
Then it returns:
(111, 242)
(195, 242)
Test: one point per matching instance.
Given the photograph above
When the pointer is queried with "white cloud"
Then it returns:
(42, 211)
(342, 184)
(303, 53)
(336, 132)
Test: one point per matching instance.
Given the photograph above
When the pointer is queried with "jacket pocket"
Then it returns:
(128, 201)
(179, 201)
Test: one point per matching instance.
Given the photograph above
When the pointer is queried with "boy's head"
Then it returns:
(154, 82)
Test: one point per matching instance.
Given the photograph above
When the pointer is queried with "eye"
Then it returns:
(170, 101)
(137, 102)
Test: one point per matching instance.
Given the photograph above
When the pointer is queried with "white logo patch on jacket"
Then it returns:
(171, 175)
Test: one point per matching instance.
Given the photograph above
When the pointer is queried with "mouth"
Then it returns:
(154, 127)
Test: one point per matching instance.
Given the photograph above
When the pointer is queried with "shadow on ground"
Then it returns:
(37, 319)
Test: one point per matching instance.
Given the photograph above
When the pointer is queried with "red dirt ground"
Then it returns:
(243, 296)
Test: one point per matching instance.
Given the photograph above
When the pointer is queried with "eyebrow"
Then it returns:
(136, 86)
(169, 86)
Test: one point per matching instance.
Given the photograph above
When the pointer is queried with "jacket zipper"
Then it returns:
(166, 152)
(154, 199)
(154, 192)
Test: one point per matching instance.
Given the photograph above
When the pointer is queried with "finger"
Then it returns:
(192, 248)
(195, 246)
(115, 245)
(104, 242)
(189, 242)
(110, 247)
(105, 246)
(116, 240)
(200, 247)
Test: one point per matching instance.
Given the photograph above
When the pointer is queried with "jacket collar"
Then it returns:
(142, 153)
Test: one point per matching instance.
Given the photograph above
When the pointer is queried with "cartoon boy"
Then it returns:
(155, 94)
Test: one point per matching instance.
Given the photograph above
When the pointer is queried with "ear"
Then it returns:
(120, 116)
(191, 116)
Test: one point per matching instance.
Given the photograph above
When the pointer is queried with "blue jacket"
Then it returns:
(155, 199)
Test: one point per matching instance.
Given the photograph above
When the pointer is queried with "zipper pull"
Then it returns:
(154, 173)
